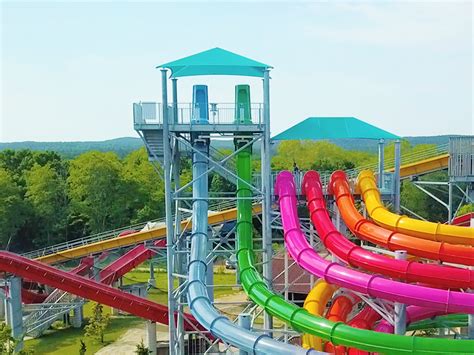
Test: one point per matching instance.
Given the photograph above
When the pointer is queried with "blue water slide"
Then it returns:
(200, 109)
(198, 297)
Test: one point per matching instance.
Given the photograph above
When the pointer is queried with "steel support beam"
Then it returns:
(400, 308)
(267, 191)
(381, 163)
(174, 345)
(396, 177)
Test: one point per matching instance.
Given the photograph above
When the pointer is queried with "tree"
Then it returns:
(98, 323)
(98, 191)
(148, 198)
(142, 349)
(46, 192)
(13, 211)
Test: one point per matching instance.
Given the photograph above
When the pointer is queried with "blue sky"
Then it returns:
(70, 71)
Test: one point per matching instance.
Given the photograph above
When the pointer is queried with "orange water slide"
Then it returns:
(392, 240)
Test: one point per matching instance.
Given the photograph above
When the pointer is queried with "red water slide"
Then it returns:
(366, 230)
(354, 255)
(88, 289)
(128, 262)
(28, 296)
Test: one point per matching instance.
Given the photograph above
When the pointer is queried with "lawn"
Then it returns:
(67, 341)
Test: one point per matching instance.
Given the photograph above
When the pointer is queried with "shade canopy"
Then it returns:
(314, 128)
(216, 61)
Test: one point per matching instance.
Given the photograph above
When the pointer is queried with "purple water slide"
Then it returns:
(372, 285)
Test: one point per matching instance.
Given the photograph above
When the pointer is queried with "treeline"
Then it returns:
(46, 199)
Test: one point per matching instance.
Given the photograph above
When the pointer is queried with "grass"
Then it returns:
(67, 341)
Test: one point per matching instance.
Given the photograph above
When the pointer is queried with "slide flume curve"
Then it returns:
(305, 256)
(403, 224)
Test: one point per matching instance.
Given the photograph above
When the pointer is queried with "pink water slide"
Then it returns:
(372, 285)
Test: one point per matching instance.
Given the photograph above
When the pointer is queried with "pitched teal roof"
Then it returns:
(314, 128)
(216, 61)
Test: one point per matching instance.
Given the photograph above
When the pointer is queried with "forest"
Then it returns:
(46, 198)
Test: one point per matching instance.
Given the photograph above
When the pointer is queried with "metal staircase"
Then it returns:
(42, 315)
(154, 143)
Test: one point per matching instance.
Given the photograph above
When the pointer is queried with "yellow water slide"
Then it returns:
(439, 232)
(134, 238)
(424, 166)
(315, 303)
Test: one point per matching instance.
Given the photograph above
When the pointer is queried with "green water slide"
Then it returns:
(448, 321)
(300, 319)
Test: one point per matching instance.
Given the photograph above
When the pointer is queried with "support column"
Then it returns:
(168, 213)
(14, 310)
(400, 308)
(381, 163)
(151, 336)
(267, 198)
(245, 323)
(78, 316)
(396, 178)
(174, 84)
(151, 280)
(450, 202)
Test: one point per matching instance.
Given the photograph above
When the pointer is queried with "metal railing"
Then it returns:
(461, 162)
(218, 113)
(217, 206)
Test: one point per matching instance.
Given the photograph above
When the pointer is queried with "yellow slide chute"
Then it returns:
(315, 303)
(439, 232)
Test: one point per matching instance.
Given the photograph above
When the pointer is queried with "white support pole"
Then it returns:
(14, 310)
(152, 280)
(151, 336)
(174, 84)
(267, 198)
(381, 163)
(400, 308)
(168, 214)
(78, 316)
(245, 323)
(450, 202)
(396, 177)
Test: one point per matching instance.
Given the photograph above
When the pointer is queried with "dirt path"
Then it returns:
(127, 343)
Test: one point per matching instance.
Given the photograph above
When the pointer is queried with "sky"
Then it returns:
(70, 71)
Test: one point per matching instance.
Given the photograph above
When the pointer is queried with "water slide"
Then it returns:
(86, 288)
(134, 238)
(366, 230)
(424, 166)
(421, 229)
(356, 256)
(198, 297)
(315, 303)
(339, 310)
(373, 285)
(28, 296)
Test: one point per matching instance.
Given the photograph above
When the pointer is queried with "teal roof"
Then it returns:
(314, 128)
(216, 61)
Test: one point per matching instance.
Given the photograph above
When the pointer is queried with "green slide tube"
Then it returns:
(451, 320)
(300, 319)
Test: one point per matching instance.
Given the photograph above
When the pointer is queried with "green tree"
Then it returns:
(98, 323)
(13, 211)
(46, 192)
(98, 191)
(148, 198)
(465, 209)
(142, 349)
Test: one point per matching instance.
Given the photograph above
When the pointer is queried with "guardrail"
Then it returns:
(218, 113)
(219, 205)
